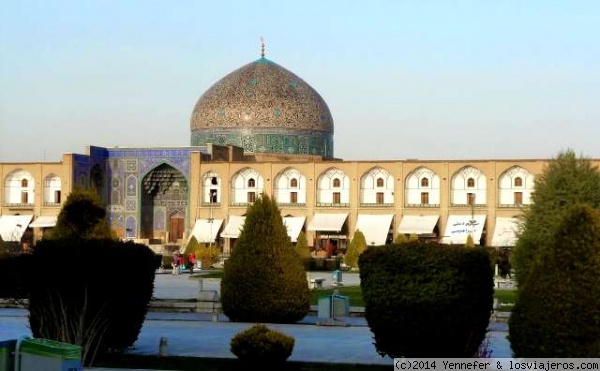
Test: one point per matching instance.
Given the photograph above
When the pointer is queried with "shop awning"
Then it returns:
(44, 222)
(419, 224)
(505, 232)
(459, 227)
(234, 226)
(327, 222)
(12, 227)
(374, 227)
(205, 230)
(294, 225)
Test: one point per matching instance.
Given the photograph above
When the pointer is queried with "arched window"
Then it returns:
(424, 182)
(24, 183)
(251, 183)
(519, 182)
(470, 182)
(379, 182)
(336, 182)
(294, 183)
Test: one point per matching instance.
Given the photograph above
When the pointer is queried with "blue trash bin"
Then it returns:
(336, 277)
(7, 354)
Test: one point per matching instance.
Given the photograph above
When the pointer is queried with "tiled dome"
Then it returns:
(263, 107)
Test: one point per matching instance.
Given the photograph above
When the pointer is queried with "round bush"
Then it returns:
(260, 344)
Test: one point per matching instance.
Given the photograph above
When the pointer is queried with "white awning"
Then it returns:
(294, 225)
(459, 227)
(327, 222)
(419, 224)
(205, 230)
(44, 222)
(12, 227)
(374, 227)
(505, 233)
(234, 226)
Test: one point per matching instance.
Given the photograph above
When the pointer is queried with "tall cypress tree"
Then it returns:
(565, 181)
(357, 246)
(264, 279)
(557, 313)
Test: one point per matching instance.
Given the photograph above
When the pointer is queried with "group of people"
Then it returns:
(179, 263)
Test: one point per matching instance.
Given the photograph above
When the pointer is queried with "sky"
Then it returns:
(419, 79)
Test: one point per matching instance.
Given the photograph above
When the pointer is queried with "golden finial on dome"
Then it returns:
(262, 47)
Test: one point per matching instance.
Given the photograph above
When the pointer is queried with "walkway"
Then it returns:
(196, 335)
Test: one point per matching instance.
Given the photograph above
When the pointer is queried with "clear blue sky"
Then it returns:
(403, 79)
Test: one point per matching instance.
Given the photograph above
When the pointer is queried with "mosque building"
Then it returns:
(263, 130)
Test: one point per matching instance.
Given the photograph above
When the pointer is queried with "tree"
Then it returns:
(557, 312)
(400, 239)
(565, 181)
(357, 246)
(470, 243)
(302, 246)
(82, 217)
(426, 299)
(264, 279)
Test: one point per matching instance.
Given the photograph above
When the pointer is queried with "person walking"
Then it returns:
(175, 264)
(192, 261)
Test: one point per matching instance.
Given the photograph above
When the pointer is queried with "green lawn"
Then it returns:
(506, 298)
(353, 292)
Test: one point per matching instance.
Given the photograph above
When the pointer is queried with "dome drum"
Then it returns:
(269, 141)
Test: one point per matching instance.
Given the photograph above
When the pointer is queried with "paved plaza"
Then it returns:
(198, 335)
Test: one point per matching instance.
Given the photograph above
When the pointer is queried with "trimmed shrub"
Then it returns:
(357, 246)
(192, 247)
(92, 293)
(264, 279)
(470, 243)
(81, 217)
(557, 312)
(302, 246)
(14, 272)
(426, 299)
(400, 238)
(261, 345)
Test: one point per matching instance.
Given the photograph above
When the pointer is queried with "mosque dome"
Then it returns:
(264, 108)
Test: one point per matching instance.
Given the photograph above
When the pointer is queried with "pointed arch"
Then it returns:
(290, 187)
(241, 190)
(333, 187)
(211, 188)
(164, 200)
(52, 189)
(468, 187)
(422, 188)
(515, 186)
(19, 187)
(377, 187)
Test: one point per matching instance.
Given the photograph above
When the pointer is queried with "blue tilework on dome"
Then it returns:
(258, 106)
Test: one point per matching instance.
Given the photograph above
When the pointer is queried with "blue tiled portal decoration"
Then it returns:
(160, 219)
(126, 167)
(130, 226)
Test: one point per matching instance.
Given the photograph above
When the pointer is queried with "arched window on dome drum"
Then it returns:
(251, 183)
(519, 182)
(470, 182)
(24, 183)
(379, 182)
(336, 183)
(294, 183)
(424, 182)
